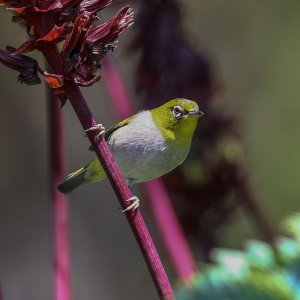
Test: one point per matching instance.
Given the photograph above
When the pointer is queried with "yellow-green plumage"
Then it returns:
(172, 129)
(92, 172)
(146, 145)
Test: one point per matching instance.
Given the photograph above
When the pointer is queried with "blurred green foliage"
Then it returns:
(258, 273)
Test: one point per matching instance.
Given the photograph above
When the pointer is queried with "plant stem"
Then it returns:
(59, 202)
(171, 231)
(116, 89)
(255, 210)
(113, 173)
(261, 220)
(163, 211)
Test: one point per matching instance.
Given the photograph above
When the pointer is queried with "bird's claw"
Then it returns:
(134, 205)
(98, 127)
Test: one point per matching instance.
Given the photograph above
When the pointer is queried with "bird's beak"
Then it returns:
(195, 113)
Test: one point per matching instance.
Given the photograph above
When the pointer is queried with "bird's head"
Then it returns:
(177, 118)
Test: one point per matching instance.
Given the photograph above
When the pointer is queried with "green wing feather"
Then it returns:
(123, 123)
(93, 171)
(72, 181)
(110, 131)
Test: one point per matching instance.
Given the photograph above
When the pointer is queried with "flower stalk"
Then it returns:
(60, 205)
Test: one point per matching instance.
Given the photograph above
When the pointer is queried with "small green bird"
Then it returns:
(145, 146)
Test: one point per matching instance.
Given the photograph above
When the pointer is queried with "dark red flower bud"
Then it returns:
(94, 5)
(21, 7)
(75, 42)
(110, 31)
(25, 47)
(83, 76)
(27, 66)
(102, 38)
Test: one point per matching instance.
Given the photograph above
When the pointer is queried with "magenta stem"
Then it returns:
(163, 211)
(115, 177)
(116, 88)
(60, 214)
(171, 231)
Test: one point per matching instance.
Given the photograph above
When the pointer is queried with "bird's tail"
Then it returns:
(72, 181)
(91, 172)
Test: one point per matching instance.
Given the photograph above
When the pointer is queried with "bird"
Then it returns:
(145, 146)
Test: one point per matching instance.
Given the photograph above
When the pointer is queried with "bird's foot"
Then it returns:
(99, 128)
(134, 205)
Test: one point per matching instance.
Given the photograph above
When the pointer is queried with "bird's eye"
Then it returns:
(178, 112)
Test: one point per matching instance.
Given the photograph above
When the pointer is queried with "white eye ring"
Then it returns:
(177, 112)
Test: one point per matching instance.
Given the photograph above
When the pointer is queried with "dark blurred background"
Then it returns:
(254, 48)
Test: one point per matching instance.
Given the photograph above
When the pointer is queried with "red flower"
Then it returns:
(69, 22)
(26, 66)
(94, 5)
(85, 46)
(108, 32)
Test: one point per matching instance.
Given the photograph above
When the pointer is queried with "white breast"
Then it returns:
(141, 150)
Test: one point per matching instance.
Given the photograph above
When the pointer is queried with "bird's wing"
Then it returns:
(123, 123)
(110, 131)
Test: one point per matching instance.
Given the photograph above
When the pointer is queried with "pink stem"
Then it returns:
(171, 230)
(115, 177)
(162, 208)
(59, 201)
(116, 88)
